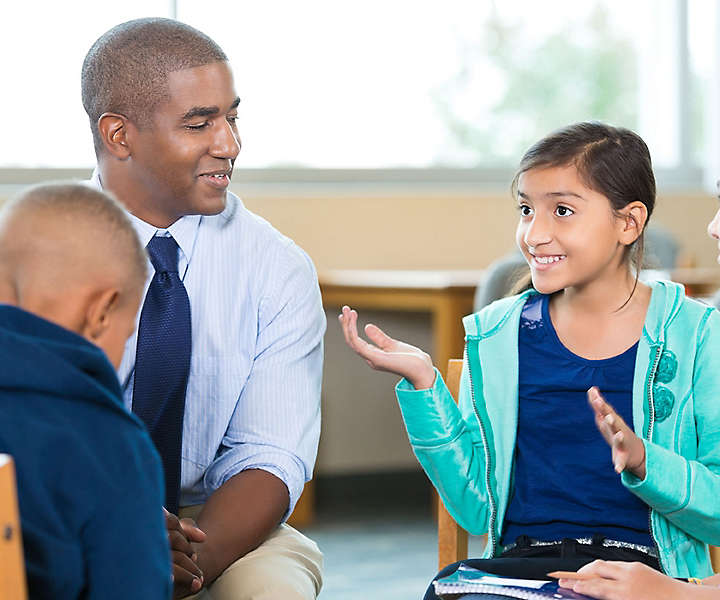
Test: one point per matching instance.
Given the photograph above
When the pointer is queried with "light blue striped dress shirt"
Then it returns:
(253, 394)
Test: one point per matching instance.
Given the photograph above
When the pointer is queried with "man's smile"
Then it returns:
(219, 178)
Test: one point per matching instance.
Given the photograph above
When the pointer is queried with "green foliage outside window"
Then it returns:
(583, 71)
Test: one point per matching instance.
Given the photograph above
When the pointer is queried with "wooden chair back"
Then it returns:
(12, 565)
(715, 558)
(452, 539)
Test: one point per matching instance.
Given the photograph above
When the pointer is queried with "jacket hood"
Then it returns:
(41, 357)
(665, 302)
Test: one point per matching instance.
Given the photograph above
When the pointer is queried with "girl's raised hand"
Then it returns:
(628, 451)
(387, 354)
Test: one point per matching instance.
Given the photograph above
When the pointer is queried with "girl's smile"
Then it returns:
(545, 262)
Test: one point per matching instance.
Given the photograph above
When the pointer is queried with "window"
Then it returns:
(388, 85)
(410, 84)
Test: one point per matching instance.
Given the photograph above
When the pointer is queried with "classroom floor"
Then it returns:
(388, 554)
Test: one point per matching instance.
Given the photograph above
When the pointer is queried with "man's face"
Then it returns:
(184, 160)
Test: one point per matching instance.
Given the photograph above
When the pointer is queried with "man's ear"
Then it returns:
(632, 222)
(114, 129)
(99, 313)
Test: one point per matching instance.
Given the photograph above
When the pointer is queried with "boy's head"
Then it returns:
(69, 254)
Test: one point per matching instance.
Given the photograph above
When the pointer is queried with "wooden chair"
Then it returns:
(12, 567)
(453, 539)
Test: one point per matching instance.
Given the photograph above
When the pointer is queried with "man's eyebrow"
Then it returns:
(200, 111)
(207, 111)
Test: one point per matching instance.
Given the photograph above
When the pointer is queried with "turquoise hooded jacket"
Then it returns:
(467, 450)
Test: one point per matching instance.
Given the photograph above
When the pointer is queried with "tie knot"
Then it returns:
(163, 254)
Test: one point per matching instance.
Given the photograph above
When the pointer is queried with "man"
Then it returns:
(226, 366)
(90, 485)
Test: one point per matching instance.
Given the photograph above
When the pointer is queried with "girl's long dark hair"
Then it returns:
(612, 161)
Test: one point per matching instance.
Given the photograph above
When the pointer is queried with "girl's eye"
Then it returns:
(563, 211)
(525, 210)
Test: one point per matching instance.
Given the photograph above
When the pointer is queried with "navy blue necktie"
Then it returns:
(162, 363)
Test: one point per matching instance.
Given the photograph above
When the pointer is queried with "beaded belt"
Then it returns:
(589, 542)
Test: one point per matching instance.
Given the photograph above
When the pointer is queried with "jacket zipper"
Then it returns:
(491, 498)
(651, 422)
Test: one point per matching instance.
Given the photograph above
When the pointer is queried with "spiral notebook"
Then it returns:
(471, 584)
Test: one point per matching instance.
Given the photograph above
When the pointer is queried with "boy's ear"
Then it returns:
(99, 314)
(114, 130)
(632, 222)
(8, 287)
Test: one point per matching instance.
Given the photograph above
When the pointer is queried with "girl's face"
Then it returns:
(568, 233)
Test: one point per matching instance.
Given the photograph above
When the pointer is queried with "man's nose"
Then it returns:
(226, 143)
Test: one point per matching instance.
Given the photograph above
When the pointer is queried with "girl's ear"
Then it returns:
(632, 222)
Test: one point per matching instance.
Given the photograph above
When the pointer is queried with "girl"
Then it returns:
(521, 458)
(634, 581)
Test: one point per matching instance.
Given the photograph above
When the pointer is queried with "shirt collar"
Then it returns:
(184, 231)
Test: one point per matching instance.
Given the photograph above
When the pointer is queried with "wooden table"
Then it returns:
(446, 295)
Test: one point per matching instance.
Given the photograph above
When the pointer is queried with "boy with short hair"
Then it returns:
(90, 484)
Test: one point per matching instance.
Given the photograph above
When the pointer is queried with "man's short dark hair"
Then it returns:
(125, 71)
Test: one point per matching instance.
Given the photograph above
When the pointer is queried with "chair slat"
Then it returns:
(12, 566)
(452, 539)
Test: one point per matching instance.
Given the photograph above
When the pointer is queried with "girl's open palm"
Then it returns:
(387, 354)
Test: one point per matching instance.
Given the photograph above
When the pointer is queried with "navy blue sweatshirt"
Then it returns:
(90, 484)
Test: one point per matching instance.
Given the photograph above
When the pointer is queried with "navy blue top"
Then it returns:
(565, 485)
(90, 485)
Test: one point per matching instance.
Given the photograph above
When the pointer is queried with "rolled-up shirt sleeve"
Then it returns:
(276, 422)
